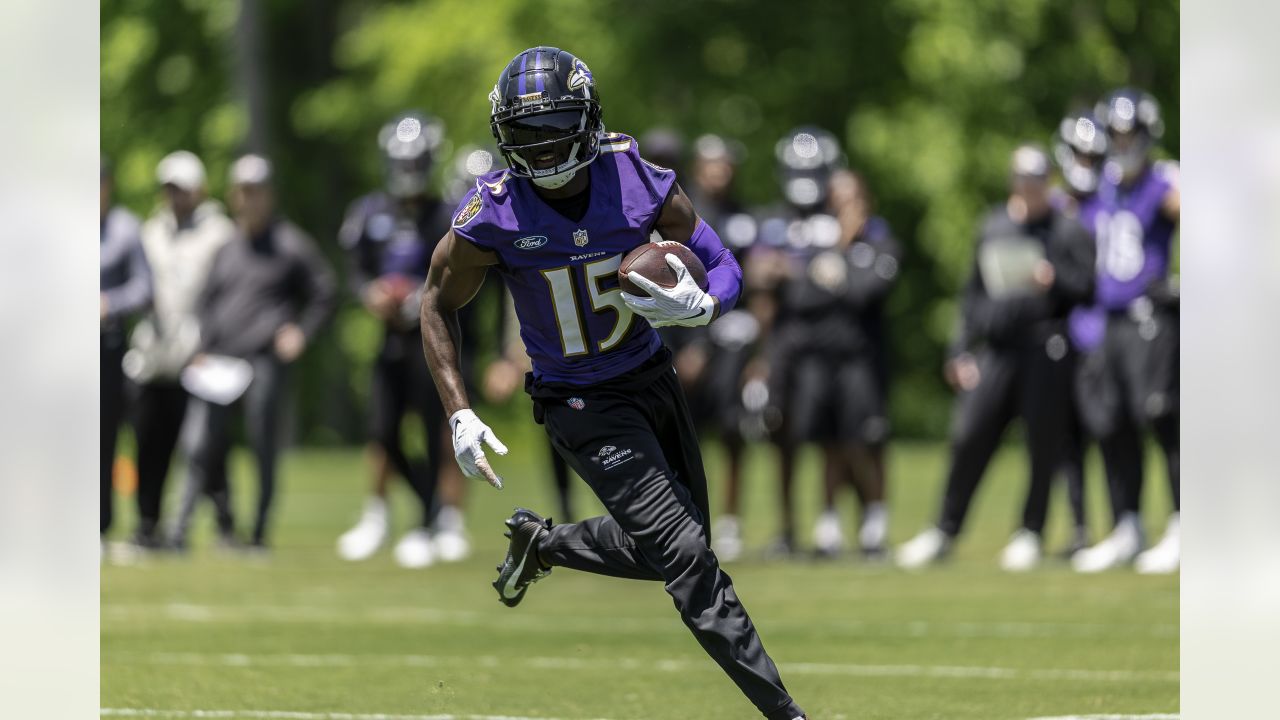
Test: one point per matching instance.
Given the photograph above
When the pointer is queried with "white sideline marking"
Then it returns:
(296, 715)
(1110, 717)
(183, 612)
(662, 665)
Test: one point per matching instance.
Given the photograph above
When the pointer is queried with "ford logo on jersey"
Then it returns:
(532, 242)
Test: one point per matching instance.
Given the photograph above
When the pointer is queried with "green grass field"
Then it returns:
(303, 635)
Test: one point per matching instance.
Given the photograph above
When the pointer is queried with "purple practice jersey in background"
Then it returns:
(1133, 237)
(563, 274)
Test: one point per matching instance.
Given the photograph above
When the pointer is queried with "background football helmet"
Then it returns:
(806, 158)
(409, 143)
(546, 116)
(1080, 149)
(1132, 120)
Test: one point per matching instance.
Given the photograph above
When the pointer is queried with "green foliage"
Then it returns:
(928, 95)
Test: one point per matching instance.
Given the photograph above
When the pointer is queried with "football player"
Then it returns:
(125, 291)
(389, 236)
(710, 360)
(1131, 378)
(1080, 149)
(556, 224)
(1032, 264)
(871, 256)
(828, 278)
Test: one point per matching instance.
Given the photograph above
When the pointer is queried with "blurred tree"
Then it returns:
(929, 96)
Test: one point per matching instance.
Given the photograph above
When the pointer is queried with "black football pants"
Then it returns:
(1019, 382)
(1128, 385)
(632, 440)
(111, 410)
(158, 419)
(401, 384)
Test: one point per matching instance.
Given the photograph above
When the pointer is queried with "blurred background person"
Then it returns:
(180, 241)
(1132, 375)
(795, 252)
(269, 291)
(857, 276)
(1080, 148)
(389, 235)
(1032, 264)
(710, 360)
(124, 290)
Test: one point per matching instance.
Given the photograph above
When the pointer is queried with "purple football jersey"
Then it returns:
(563, 274)
(1133, 237)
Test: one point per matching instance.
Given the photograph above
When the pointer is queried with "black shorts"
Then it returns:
(834, 398)
(1133, 377)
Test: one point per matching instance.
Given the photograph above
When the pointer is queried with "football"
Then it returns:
(650, 260)
(399, 286)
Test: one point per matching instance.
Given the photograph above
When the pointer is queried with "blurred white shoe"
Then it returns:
(874, 532)
(452, 546)
(451, 541)
(1166, 556)
(828, 537)
(924, 549)
(415, 549)
(1023, 552)
(726, 538)
(364, 539)
(1119, 548)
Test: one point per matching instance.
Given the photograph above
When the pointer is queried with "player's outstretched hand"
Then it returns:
(468, 432)
(682, 304)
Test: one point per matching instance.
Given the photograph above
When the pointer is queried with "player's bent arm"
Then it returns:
(679, 222)
(456, 274)
(1172, 204)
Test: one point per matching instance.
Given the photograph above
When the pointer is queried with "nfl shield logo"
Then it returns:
(577, 403)
(579, 237)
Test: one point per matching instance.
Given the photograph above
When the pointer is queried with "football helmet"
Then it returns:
(806, 158)
(546, 116)
(409, 143)
(1080, 150)
(1132, 120)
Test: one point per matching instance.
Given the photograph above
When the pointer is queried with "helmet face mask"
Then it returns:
(1081, 151)
(1132, 121)
(806, 158)
(546, 116)
(409, 144)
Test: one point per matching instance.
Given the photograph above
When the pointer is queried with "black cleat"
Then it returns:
(521, 567)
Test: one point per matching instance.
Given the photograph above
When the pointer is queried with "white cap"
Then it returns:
(251, 170)
(1030, 161)
(182, 169)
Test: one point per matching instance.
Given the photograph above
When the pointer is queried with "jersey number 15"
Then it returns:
(564, 297)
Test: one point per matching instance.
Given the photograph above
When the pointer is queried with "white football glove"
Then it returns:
(468, 432)
(684, 304)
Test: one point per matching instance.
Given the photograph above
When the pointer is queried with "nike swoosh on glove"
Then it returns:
(684, 304)
(468, 432)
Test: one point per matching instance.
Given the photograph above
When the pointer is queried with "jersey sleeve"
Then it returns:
(646, 186)
(468, 222)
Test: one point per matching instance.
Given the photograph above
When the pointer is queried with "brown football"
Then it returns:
(650, 260)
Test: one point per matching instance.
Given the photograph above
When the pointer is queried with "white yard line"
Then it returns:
(183, 612)
(661, 665)
(295, 715)
(1110, 717)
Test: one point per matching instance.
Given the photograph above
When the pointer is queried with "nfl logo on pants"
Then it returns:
(576, 403)
(579, 237)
